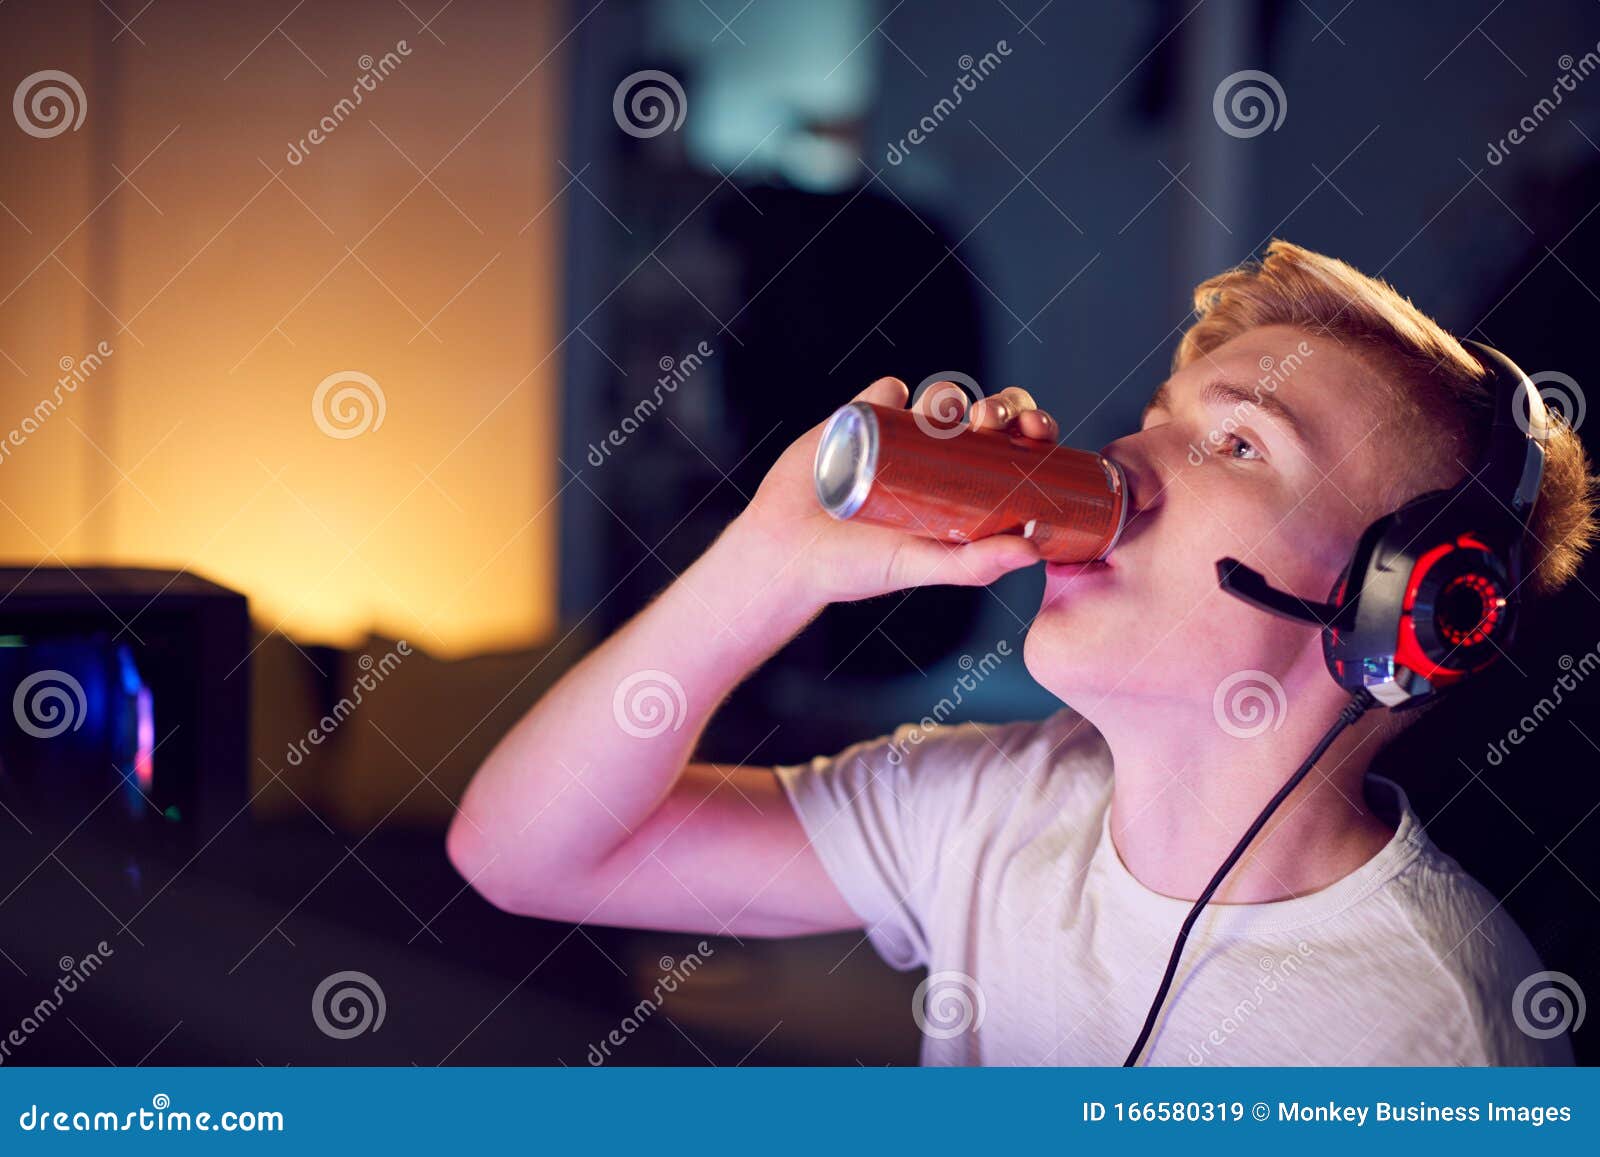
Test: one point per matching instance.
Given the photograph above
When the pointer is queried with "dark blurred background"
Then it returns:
(517, 265)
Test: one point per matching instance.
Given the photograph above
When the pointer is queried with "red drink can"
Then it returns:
(901, 468)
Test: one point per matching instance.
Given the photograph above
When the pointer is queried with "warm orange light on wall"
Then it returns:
(415, 244)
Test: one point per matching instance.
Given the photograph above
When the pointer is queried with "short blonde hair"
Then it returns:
(1430, 378)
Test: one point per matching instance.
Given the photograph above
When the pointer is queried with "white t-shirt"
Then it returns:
(984, 852)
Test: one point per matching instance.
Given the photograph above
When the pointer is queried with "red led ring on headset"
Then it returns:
(1433, 634)
(1489, 603)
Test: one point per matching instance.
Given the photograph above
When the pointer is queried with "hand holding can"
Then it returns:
(787, 541)
(954, 483)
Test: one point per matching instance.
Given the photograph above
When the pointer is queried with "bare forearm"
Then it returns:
(598, 754)
(585, 810)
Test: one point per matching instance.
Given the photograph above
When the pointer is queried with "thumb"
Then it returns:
(890, 392)
(924, 562)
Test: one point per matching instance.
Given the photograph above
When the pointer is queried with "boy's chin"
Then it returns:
(1061, 661)
(1082, 654)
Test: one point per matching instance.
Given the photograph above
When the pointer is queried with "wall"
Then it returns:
(240, 264)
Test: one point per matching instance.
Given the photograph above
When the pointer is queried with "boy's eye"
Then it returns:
(1240, 449)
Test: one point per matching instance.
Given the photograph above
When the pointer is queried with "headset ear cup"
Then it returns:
(1464, 609)
(1337, 594)
(1370, 593)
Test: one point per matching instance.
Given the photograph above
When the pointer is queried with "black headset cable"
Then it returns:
(1353, 710)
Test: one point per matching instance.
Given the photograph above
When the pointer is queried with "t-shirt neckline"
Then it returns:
(1402, 848)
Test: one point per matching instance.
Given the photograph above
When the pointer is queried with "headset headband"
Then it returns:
(1514, 458)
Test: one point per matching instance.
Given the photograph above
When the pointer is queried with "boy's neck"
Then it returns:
(1185, 792)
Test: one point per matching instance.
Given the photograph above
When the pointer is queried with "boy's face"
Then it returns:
(1270, 449)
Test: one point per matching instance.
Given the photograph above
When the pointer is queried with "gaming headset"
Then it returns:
(1428, 599)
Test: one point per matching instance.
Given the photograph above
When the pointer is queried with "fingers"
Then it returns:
(1000, 410)
(945, 402)
(1014, 409)
(885, 392)
(1037, 424)
(1011, 409)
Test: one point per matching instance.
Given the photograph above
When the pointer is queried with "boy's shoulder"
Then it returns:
(982, 775)
(1061, 741)
(1465, 934)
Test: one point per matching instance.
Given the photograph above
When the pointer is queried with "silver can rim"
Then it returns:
(1119, 487)
(857, 420)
